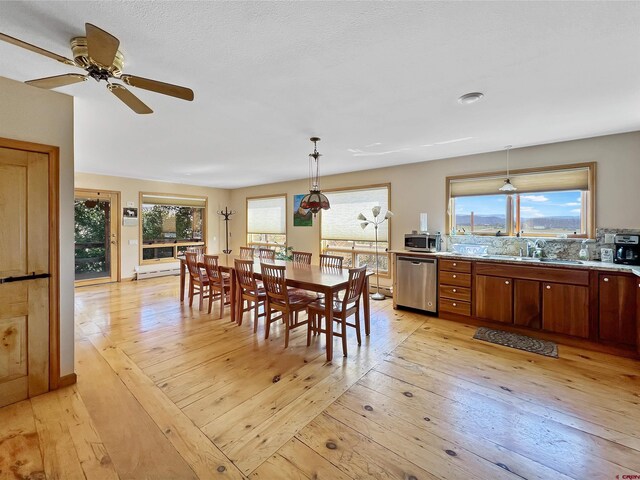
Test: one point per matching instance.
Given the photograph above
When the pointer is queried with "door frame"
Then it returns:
(53, 153)
(116, 207)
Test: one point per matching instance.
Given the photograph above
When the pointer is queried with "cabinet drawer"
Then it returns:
(455, 293)
(455, 266)
(453, 278)
(453, 306)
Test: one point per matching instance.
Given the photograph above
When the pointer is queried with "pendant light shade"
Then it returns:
(315, 200)
(508, 186)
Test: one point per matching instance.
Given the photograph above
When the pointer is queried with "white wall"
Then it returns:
(420, 187)
(41, 116)
(130, 188)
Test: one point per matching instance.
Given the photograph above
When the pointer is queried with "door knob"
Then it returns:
(454, 304)
(606, 279)
(455, 276)
(506, 282)
(548, 287)
(454, 290)
(455, 264)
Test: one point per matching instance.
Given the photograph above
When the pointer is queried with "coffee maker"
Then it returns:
(627, 249)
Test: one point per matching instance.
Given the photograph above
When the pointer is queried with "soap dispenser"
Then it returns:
(584, 251)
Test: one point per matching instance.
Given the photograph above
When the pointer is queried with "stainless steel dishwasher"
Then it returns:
(417, 283)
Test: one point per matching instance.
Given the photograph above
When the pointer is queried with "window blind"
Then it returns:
(267, 215)
(150, 199)
(340, 221)
(549, 181)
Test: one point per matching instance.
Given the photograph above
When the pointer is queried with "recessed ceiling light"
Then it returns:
(468, 98)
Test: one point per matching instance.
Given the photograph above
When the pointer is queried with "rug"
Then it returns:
(521, 342)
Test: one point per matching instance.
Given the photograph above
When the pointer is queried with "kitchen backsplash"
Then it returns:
(567, 248)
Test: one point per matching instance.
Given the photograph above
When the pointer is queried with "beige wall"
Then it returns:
(34, 115)
(420, 187)
(130, 188)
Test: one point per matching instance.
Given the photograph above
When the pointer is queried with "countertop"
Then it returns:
(514, 260)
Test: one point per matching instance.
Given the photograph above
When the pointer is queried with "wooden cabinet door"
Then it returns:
(617, 311)
(494, 298)
(565, 309)
(527, 305)
(24, 250)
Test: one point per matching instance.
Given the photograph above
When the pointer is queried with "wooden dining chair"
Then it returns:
(266, 254)
(219, 283)
(302, 257)
(198, 249)
(281, 299)
(330, 261)
(198, 281)
(246, 252)
(342, 309)
(249, 291)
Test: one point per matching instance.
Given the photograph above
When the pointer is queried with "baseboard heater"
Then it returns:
(160, 270)
(384, 289)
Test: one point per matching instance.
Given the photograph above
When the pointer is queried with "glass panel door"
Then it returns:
(96, 237)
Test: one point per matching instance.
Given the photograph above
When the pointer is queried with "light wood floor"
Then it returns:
(165, 392)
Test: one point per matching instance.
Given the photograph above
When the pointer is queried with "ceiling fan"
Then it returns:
(98, 54)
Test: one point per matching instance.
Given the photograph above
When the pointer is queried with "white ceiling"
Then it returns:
(378, 81)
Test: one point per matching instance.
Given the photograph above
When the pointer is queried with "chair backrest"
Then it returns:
(213, 269)
(266, 254)
(302, 257)
(330, 261)
(199, 249)
(275, 283)
(246, 252)
(244, 272)
(357, 277)
(192, 265)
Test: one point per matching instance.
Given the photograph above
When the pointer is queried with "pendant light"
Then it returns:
(508, 186)
(315, 200)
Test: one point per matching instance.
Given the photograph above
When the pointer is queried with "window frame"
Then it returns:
(175, 246)
(286, 223)
(588, 214)
(356, 251)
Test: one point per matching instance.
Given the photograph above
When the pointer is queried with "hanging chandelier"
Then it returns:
(315, 200)
(508, 186)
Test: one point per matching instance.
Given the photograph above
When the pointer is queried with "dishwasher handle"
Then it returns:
(417, 261)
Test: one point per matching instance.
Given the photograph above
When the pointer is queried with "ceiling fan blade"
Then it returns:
(177, 91)
(33, 48)
(133, 102)
(57, 81)
(102, 46)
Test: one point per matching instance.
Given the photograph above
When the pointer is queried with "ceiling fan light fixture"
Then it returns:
(315, 200)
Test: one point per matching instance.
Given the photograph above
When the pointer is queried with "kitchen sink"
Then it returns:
(560, 260)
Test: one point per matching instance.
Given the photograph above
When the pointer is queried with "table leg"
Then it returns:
(328, 315)
(366, 305)
(183, 271)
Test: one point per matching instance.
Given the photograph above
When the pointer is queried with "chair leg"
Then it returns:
(344, 336)
(221, 302)
(256, 313)
(286, 329)
(210, 299)
(358, 336)
(308, 329)
(267, 324)
(191, 292)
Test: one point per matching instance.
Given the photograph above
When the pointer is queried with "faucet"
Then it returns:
(539, 245)
(529, 246)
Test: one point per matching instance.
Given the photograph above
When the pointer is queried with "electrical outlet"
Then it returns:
(131, 204)
(133, 242)
(609, 237)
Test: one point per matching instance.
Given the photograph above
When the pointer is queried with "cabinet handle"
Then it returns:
(454, 290)
(455, 264)
(548, 287)
(506, 282)
(606, 279)
(455, 276)
(454, 304)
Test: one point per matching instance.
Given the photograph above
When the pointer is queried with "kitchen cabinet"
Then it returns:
(527, 303)
(565, 309)
(454, 287)
(617, 308)
(494, 298)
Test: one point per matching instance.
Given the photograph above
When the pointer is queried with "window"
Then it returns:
(169, 224)
(552, 202)
(267, 222)
(341, 233)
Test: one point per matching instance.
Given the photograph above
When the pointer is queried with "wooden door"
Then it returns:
(494, 298)
(565, 309)
(97, 237)
(617, 310)
(24, 252)
(527, 308)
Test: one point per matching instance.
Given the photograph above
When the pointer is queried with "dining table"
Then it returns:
(314, 278)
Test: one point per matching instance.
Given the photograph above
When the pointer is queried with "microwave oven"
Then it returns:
(422, 242)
